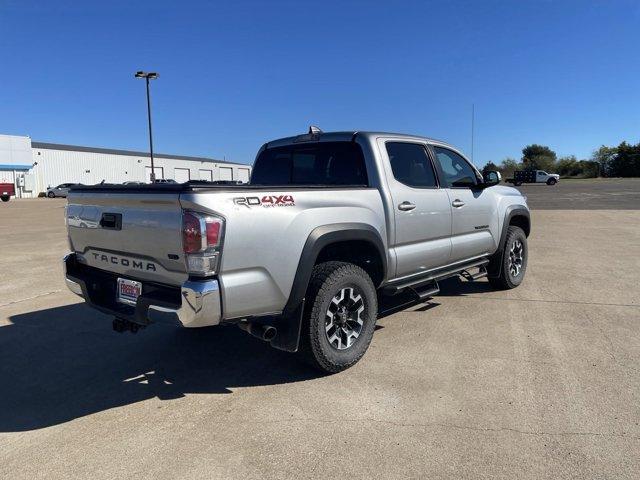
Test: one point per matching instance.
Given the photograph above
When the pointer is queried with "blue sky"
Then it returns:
(236, 74)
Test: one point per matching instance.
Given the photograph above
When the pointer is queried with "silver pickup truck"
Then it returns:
(330, 227)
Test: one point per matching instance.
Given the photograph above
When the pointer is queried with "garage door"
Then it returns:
(226, 173)
(181, 175)
(243, 175)
(206, 175)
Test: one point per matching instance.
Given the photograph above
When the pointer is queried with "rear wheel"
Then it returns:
(5, 198)
(517, 184)
(340, 318)
(514, 260)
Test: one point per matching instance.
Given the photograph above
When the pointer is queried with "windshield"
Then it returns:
(322, 163)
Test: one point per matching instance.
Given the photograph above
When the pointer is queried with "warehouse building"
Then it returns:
(35, 166)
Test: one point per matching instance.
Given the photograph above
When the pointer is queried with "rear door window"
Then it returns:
(322, 163)
(411, 165)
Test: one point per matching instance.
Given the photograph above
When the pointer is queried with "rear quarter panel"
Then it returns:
(263, 243)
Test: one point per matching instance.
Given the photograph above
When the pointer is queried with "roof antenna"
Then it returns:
(313, 130)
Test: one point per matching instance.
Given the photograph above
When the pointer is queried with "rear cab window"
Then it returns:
(411, 165)
(320, 163)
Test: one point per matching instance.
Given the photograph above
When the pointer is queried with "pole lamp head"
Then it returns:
(150, 75)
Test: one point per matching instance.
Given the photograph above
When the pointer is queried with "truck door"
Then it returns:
(421, 209)
(474, 211)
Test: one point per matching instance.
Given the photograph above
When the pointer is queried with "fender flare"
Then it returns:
(510, 212)
(319, 238)
(289, 323)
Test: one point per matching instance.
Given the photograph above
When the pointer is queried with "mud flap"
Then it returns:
(289, 327)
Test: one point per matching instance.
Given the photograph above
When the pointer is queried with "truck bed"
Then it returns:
(265, 230)
(197, 186)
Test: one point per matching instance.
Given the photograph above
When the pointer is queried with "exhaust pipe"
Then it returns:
(263, 332)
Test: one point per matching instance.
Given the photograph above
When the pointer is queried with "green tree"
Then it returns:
(508, 166)
(603, 156)
(589, 168)
(538, 157)
(541, 162)
(568, 166)
(626, 162)
(489, 166)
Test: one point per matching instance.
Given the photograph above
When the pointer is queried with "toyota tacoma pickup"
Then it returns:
(330, 227)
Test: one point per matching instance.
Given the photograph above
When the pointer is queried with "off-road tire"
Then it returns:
(506, 279)
(327, 281)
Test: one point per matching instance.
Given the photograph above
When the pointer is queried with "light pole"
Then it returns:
(149, 76)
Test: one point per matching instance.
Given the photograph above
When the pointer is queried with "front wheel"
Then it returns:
(514, 260)
(340, 318)
(51, 195)
(552, 181)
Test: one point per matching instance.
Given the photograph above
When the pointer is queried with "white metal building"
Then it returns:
(34, 166)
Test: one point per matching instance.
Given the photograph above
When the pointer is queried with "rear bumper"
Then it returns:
(195, 304)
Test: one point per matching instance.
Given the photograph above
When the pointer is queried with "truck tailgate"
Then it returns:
(137, 235)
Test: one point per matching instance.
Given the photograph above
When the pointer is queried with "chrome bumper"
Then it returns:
(200, 301)
(200, 306)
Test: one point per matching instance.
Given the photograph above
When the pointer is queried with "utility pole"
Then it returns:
(473, 119)
(147, 77)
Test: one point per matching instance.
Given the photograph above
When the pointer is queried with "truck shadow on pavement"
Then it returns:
(66, 362)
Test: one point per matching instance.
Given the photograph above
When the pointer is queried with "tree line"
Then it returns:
(620, 161)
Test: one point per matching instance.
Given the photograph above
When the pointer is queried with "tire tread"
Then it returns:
(323, 277)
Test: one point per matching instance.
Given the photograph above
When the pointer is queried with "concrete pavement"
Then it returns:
(538, 382)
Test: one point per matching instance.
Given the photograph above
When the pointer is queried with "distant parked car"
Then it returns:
(133, 183)
(165, 180)
(61, 190)
(7, 190)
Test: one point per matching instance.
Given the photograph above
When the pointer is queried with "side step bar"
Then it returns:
(470, 277)
(434, 276)
(425, 292)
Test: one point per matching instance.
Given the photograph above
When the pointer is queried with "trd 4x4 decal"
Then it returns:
(266, 201)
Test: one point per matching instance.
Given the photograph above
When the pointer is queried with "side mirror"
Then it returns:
(491, 177)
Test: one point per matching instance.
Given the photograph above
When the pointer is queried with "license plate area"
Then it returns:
(128, 291)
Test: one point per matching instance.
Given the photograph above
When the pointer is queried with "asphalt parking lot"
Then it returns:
(587, 194)
(538, 382)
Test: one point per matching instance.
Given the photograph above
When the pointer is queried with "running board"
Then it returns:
(436, 275)
(470, 277)
(427, 291)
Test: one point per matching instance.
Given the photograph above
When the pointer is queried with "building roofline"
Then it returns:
(78, 148)
(10, 166)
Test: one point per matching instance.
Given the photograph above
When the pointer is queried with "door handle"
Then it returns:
(457, 203)
(406, 206)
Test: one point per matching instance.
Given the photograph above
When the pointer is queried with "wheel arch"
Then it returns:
(519, 216)
(357, 243)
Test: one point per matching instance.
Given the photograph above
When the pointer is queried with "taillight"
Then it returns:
(201, 241)
(191, 233)
(213, 232)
